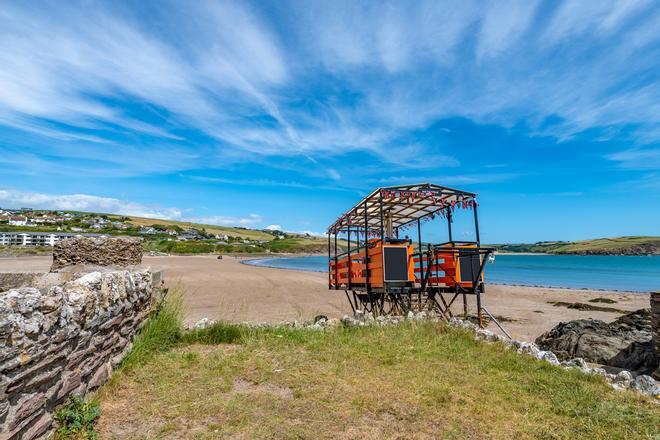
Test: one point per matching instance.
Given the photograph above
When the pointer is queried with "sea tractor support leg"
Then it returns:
(479, 316)
(349, 300)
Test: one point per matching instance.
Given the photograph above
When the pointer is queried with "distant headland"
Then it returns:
(629, 245)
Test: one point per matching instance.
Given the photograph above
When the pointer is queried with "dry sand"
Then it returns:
(226, 289)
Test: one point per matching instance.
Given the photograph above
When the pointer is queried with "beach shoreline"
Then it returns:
(226, 289)
(251, 262)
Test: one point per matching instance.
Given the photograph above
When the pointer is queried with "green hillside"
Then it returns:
(250, 234)
(631, 245)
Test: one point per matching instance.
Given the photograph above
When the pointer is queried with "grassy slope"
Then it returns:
(234, 232)
(415, 380)
(601, 245)
(288, 245)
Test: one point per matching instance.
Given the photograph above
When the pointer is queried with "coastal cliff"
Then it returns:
(633, 245)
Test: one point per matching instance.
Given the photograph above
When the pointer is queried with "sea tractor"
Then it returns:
(382, 273)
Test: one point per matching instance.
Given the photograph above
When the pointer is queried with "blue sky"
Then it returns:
(284, 114)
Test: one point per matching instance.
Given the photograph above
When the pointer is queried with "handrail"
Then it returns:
(437, 247)
(369, 245)
(496, 322)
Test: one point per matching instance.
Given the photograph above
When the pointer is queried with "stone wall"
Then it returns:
(64, 339)
(655, 316)
(101, 251)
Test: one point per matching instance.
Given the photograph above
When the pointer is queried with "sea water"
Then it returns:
(631, 273)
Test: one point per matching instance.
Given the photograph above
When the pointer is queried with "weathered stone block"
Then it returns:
(45, 377)
(7, 354)
(111, 323)
(38, 427)
(102, 374)
(47, 363)
(26, 408)
(111, 251)
(69, 383)
(4, 409)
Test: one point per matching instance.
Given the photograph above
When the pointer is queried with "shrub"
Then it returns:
(76, 418)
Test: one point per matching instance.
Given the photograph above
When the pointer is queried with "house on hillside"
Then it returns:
(120, 225)
(189, 234)
(19, 221)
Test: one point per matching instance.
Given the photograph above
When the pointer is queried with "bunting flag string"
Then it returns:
(413, 196)
(459, 201)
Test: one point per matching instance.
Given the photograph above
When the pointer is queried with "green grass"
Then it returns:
(417, 380)
(199, 247)
(287, 245)
(251, 234)
(160, 333)
(298, 245)
(219, 333)
(638, 244)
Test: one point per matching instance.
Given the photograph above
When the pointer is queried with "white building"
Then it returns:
(28, 239)
(18, 221)
(36, 238)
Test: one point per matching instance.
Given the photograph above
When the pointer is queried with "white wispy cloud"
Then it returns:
(10, 198)
(449, 179)
(503, 24)
(638, 159)
(320, 80)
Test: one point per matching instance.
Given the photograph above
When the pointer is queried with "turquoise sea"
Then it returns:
(640, 274)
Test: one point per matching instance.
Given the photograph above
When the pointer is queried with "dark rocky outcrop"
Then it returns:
(625, 343)
(652, 248)
(655, 318)
(97, 251)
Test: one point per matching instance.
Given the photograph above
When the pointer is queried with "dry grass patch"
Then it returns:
(414, 380)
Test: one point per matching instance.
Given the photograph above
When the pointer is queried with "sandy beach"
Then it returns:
(228, 290)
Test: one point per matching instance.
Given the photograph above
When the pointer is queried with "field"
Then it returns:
(418, 380)
(286, 245)
(250, 234)
(633, 245)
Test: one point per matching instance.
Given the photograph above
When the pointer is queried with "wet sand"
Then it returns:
(226, 289)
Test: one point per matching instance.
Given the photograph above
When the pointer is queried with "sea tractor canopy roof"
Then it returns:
(403, 204)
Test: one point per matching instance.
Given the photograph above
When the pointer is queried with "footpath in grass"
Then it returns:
(415, 380)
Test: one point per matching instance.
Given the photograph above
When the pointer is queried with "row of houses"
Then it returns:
(37, 238)
(22, 220)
